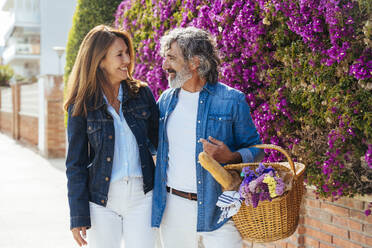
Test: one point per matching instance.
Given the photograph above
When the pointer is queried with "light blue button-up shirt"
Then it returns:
(126, 161)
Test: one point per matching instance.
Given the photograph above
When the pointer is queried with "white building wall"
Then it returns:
(29, 100)
(6, 100)
(56, 21)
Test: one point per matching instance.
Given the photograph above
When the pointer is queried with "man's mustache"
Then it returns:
(171, 71)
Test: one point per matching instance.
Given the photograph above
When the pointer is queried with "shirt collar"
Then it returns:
(210, 88)
(119, 97)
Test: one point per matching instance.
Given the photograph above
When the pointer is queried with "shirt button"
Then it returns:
(200, 203)
(108, 159)
(106, 179)
(198, 121)
(199, 182)
(102, 201)
(110, 137)
(201, 101)
(220, 118)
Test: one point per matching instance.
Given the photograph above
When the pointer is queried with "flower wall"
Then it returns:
(305, 67)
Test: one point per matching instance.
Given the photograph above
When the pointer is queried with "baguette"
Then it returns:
(221, 175)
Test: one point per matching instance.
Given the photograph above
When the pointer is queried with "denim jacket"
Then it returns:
(91, 150)
(223, 114)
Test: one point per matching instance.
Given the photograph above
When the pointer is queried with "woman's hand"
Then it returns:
(80, 238)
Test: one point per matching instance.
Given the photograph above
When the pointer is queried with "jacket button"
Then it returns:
(108, 159)
(106, 178)
(102, 201)
(110, 136)
(89, 128)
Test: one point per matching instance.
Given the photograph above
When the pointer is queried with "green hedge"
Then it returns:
(6, 73)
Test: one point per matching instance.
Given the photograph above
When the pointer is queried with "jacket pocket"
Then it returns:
(143, 114)
(94, 132)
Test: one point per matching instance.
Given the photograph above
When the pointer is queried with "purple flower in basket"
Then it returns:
(280, 186)
(254, 188)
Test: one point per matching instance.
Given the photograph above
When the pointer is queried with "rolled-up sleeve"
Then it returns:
(245, 133)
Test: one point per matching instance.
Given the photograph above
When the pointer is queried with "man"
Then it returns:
(197, 113)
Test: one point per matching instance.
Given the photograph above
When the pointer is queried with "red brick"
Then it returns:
(335, 230)
(351, 203)
(313, 223)
(323, 245)
(281, 244)
(300, 230)
(324, 216)
(367, 228)
(301, 220)
(360, 238)
(290, 245)
(347, 222)
(333, 209)
(341, 221)
(300, 240)
(293, 239)
(345, 243)
(319, 235)
(312, 203)
(309, 242)
(360, 216)
(355, 225)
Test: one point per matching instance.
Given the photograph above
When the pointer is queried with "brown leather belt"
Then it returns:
(190, 196)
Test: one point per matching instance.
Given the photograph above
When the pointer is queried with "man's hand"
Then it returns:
(80, 239)
(219, 151)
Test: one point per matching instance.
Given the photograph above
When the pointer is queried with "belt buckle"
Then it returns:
(189, 196)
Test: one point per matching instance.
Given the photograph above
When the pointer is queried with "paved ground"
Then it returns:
(33, 199)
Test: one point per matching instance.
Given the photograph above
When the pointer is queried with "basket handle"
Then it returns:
(279, 149)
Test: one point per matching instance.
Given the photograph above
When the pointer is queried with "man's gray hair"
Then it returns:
(195, 42)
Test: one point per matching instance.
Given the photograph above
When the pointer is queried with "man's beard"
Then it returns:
(180, 79)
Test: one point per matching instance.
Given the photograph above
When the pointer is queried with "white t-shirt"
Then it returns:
(181, 131)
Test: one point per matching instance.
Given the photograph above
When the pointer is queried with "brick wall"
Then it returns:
(55, 127)
(6, 122)
(28, 129)
(23, 118)
(6, 111)
(325, 224)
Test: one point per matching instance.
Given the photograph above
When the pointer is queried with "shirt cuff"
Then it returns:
(246, 154)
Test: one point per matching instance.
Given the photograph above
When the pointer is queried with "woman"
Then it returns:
(112, 126)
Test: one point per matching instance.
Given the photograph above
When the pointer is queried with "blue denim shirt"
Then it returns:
(224, 114)
(91, 140)
(126, 161)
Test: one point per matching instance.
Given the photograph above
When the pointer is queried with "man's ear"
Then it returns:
(194, 63)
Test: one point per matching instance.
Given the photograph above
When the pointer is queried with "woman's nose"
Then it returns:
(126, 58)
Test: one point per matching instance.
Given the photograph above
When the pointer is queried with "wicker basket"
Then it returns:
(278, 219)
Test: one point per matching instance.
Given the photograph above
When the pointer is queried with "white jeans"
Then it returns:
(125, 220)
(178, 228)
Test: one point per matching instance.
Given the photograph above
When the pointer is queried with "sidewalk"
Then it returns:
(33, 199)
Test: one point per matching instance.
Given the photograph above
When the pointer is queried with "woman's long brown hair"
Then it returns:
(87, 81)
